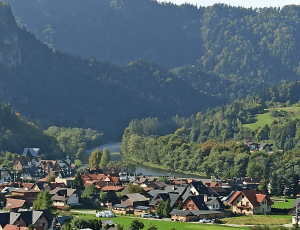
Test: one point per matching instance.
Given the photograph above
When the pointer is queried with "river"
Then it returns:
(140, 168)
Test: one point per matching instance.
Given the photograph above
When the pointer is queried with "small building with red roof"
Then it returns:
(251, 202)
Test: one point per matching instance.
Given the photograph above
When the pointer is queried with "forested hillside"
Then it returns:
(221, 50)
(53, 88)
(210, 141)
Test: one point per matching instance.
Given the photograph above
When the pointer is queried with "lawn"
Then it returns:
(260, 219)
(162, 225)
(283, 205)
(265, 118)
(262, 120)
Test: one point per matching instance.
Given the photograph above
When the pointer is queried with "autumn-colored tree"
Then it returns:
(95, 158)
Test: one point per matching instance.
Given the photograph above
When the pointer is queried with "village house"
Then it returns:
(251, 202)
(5, 176)
(37, 218)
(11, 218)
(29, 195)
(50, 167)
(174, 198)
(134, 199)
(64, 196)
(195, 203)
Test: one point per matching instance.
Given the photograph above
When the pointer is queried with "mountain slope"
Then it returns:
(65, 90)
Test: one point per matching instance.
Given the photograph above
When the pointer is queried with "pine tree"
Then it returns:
(43, 201)
(105, 159)
(77, 182)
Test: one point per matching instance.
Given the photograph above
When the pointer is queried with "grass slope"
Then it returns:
(260, 220)
(161, 225)
(278, 113)
(283, 205)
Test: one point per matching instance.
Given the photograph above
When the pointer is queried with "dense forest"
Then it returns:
(209, 56)
(49, 87)
(211, 142)
(221, 50)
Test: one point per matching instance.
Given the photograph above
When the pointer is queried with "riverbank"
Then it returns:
(156, 166)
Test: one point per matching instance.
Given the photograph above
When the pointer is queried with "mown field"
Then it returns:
(161, 225)
(274, 114)
(283, 205)
(260, 220)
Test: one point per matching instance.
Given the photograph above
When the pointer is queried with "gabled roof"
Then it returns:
(255, 197)
(58, 198)
(68, 191)
(14, 203)
(200, 187)
(4, 218)
(135, 197)
(14, 227)
(198, 201)
(211, 200)
(34, 151)
(62, 219)
(181, 212)
(28, 185)
(30, 217)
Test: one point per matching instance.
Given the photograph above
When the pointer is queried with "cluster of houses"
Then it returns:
(190, 199)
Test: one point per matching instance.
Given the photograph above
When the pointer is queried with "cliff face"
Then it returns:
(10, 54)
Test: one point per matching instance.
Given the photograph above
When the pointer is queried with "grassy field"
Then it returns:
(283, 205)
(265, 118)
(262, 120)
(162, 225)
(260, 219)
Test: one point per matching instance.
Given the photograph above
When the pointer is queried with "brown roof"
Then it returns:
(24, 190)
(69, 191)
(59, 198)
(112, 188)
(14, 203)
(58, 185)
(28, 185)
(255, 197)
(136, 197)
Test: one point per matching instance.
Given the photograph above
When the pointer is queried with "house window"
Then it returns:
(247, 203)
(2, 203)
(217, 205)
(44, 224)
(213, 206)
(243, 196)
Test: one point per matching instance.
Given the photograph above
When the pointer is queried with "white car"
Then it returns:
(204, 220)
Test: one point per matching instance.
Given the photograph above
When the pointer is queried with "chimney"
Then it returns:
(205, 198)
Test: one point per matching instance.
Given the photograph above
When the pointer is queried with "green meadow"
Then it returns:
(162, 225)
(289, 113)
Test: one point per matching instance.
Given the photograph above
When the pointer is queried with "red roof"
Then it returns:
(255, 197)
(112, 188)
(14, 227)
(14, 203)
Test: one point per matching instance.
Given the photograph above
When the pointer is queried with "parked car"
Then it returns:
(218, 221)
(205, 220)
(157, 217)
(145, 215)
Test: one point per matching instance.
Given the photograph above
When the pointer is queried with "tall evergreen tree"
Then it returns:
(105, 159)
(77, 182)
